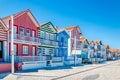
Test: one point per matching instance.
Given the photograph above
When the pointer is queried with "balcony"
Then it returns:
(63, 44)
(17, 38)
(45, 42)
(32, 40)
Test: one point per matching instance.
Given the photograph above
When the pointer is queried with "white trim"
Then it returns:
(3, 25)
(32, 18)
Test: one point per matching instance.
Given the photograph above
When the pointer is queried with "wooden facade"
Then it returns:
(25, 33)
(47, 35)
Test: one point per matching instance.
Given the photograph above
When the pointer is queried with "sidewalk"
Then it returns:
(50, 73)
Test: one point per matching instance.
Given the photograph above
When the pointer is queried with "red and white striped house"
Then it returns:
(25, 35)
(3, 41)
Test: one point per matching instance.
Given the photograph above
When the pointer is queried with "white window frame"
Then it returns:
(33, 51)
(42, 34)
(22, 33)
(47, 36)
(28, 34)
(25, 49)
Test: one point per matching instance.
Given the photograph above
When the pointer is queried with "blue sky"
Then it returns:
(97, 19)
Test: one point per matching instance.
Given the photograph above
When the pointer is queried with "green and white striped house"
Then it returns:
(47, 35)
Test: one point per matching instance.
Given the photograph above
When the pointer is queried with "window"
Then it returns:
(47, 36)
(40, 51)
(15, 49)
(54, 37)
(41, 34)
(51, 37)
(25, 49)
(15, 29)
(33, 33)
(33, 51)
(0, 46)
(57, 38)
(28, 33)
(22, 31)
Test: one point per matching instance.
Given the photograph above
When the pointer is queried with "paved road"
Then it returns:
(107, 71)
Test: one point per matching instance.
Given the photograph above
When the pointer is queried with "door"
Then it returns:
(1, 48)
(33, 35)
(15, 50)
(15, 32)
(33, 51)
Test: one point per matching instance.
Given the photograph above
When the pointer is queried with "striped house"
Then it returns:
(3, 42)
(47, 34)
(25, 35)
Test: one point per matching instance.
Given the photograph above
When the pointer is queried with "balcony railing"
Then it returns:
(63, 44)
(48, 42)
(19, 37)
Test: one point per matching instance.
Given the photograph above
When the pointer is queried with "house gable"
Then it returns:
(3, 31)
(48, 27)
(64, 33)
(22, 17)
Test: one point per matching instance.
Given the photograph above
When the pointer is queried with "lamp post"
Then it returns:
(75, 50)
(12, 48)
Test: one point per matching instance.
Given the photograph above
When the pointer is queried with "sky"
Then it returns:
(97, 19)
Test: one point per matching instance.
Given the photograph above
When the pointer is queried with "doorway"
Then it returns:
(1, 50)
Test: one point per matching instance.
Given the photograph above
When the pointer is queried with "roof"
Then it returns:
(96, 41)
(60, 29)
(106, 46)
(113, 50)
(21, 13)
(82, 39)
(49, 23)
(72, 27)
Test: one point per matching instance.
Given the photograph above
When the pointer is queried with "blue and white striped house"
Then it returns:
(62, 37)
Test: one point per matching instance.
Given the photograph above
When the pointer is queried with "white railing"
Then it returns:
(19, 37)
(25, 38)
(48, 42)
(29, 58)
(57, 59)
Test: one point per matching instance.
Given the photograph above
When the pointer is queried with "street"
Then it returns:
(105, 71)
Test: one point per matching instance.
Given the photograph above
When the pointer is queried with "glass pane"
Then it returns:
(27, 32)
(0, 46)
(22, 31)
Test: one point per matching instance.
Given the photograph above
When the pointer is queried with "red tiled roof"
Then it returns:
(106, 46)
(113, 50)
(96, 41)
(70, 28)
(82, 39)
(60, 29)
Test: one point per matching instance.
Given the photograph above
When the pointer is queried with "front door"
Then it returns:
(15, 50)
(1, 50)
(33, 35)
(33, 51)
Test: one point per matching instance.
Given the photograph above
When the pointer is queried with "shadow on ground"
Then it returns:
(2, 75)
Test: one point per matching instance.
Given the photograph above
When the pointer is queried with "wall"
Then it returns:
(33, 65)
(5, 67)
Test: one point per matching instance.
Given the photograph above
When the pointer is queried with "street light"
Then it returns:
(12, 50)
(75, 50)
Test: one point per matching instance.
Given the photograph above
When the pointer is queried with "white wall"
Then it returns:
(33, 65)
(69, 47)
(57, 64)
